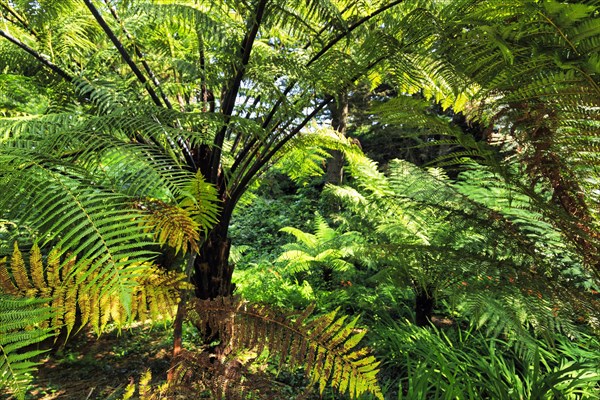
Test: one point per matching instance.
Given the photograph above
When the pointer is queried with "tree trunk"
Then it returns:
(424, 302)
(212, 271)
(335, 168)
(339, 122)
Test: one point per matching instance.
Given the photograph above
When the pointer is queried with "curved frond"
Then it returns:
(327, 345)
(69, 291)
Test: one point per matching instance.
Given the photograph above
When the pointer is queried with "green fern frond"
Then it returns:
(21, 321)
(199, 201)
(306, 155)
(326, 248)
(307, 239)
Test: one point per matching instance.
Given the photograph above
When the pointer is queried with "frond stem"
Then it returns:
(560, 32)
(324, 50)
(138, 53)
(121, 49)
(59, 71)
(234, 87)
(19, 19)
(239, 189)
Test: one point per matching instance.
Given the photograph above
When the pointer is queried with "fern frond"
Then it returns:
(20, 327)
(326, 345)
(307, 239)
(6, 283)
(170, 225)
(199, 201)
(36, 269)
(154, 294)
(19, 272)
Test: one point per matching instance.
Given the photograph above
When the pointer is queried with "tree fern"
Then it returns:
(479, 235)
(174, 90)
(539, 90)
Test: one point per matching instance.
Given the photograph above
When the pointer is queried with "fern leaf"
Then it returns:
(199, 201)
(104, 308)
(53, 269)
(326, 345)
(70, 304)
(58, 301)
(36, 268)
(6, 283)
(170, 225)
(19, 272)
(20, 321)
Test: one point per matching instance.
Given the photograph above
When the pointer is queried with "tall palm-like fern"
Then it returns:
(479, 236)
(527, 73)
(540, 84)
(145, 94)
(158, 117)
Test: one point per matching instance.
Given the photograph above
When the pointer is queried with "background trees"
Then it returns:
(145, 123)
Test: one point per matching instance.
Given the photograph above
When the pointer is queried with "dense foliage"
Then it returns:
(145, 143)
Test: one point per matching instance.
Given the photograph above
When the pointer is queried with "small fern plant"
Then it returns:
(326, 251)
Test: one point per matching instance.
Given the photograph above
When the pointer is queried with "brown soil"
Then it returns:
(92, 368)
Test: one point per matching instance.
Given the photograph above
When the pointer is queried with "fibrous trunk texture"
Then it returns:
(424, 303)
(212, 271)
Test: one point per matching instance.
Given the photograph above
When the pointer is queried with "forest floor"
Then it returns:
(94, 368)
(100, 368)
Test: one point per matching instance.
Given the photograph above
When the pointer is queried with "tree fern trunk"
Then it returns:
(424, 303)
(212, 271)
(339, 122)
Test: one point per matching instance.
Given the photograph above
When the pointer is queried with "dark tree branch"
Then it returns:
(58, 70)
(234, 87)
(19, 19)
(239, 188)
(126, 57)
(139, 55)
(324, 50)
(350, 29)
(261, 161)
(181, 144)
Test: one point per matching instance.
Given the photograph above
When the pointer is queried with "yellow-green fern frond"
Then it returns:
(171, 225)
(19, 272)
(155, 293)
(326, 346)
(53, 268)
(37, 270)
(6, 284)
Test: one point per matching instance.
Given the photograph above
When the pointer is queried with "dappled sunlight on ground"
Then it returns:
(100, 368)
